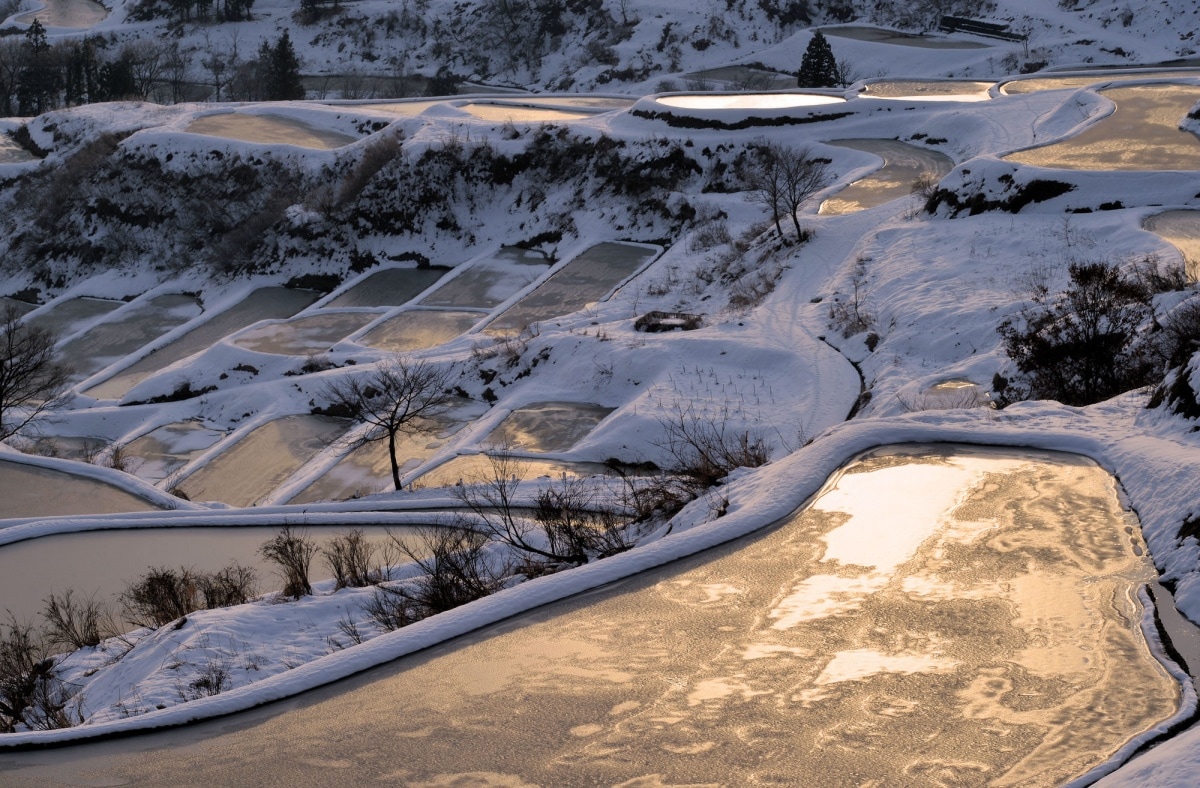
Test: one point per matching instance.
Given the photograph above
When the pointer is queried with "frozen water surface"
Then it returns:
(28, 491)
(304, 335)
(932, 90)
(517, 113)
(160, 452)
(266, 303)
(936, 617)
(268, 129)
(419, 329)
(11, 152)
(104, 562)
(878, 35)
(548, 426)
(20, 307)
(392, 287)
(74, 14)
(1076, 81)
(252, 468)
(113, 339)
(66, 317)
(748, 100)
(1141, 134)
(1181, 229)
(481, 468)
(490, 282)
(903, 164)
(587, 278)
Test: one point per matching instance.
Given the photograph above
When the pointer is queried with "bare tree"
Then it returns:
(394, 399)
(31, 379)
(782, 178)
(292, 552)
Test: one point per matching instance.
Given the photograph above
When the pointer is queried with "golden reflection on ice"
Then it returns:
(1141, 134)
(1181, 229)
(903, 165)
(748, 100)
(268, 129)
(993, 639)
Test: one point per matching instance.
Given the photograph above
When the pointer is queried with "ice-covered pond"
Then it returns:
(1181, 229)
(266, 303)
(879, 35)
(250, 469)
(164, 450)
(29, 491)
(587, 278)
(936, 616)
(1141, 134)
(19, 307)
(268, 129)
(472, 468)
(104, 562)
(518, 113)
(1075, 81)
(903, 165)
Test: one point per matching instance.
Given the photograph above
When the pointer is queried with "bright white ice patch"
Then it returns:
(748, 101)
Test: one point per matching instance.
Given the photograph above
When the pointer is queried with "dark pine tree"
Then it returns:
(280, 70)
(818, 68)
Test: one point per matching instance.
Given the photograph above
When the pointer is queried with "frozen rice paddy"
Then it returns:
(306, 335)
(390, 287)
(268, 129)
(24, 493)
(1181, 229)
(73, 14)
(748, 100)
(137, 325)
(587, 278)
(103, 563)
(903, 165)
(267, 303)
(491, 281)
(548, 426)
(931, 618)
(246, 472)
(1142, 134)
(420, 329)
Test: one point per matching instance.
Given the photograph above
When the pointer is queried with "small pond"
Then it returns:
(419, 329)
(588, 278)
(251, 469)
(748, 100)
(266, 303)
(903, 165)
(114, 339)
(268, 129)
(547, 426)
(1181, 229)
(392, 287)
(28, 491)
(104, 562)
(162, 451)
(305, 335)
(491, 282)
(1141, 134)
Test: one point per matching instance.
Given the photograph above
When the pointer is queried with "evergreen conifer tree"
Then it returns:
(280, 69)
(818, 68)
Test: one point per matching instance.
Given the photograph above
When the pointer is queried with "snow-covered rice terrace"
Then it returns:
(874, 644)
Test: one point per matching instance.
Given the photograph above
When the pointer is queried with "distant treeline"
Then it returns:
(37, 76)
